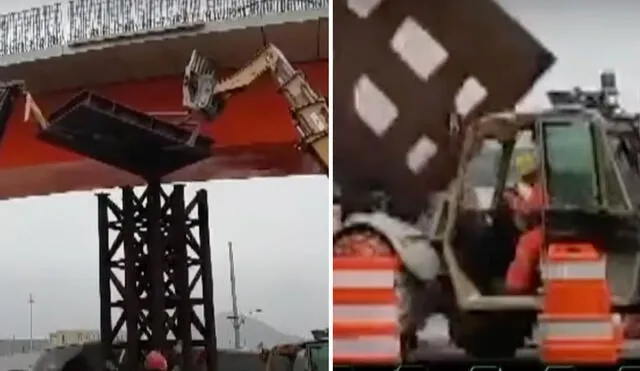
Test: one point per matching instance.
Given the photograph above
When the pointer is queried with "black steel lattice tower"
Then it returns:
(156, 240)
(160, 239)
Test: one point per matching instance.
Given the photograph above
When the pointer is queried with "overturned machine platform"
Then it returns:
(119, 136)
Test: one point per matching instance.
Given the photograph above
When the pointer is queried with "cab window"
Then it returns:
(319, 357)
(571, 171)
(524, 144)
(483, 167)
(614, 194)
(482, 173)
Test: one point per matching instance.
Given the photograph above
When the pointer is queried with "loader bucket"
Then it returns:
(393, 126)
(198, 88)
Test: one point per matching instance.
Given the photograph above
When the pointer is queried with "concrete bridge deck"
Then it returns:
(89, 42)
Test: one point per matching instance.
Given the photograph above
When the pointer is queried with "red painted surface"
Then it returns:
(258, 115)
(254, 136)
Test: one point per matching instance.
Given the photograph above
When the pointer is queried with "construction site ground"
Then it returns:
(435, 346)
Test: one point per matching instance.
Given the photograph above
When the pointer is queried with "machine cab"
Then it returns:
(579, 169)
(587, 198)
(317, 356)
(587, 201)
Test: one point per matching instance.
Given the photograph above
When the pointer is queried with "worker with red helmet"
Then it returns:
(155, 361)
(526, 201)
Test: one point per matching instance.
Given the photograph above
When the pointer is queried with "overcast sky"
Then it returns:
(280, 230)
(587, 36)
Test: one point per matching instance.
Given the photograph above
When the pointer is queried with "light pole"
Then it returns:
(243, 319)
(235, 318)
(31, 302)
(238, 321)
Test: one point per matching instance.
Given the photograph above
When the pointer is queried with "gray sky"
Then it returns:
(279, 226)
(587, 37)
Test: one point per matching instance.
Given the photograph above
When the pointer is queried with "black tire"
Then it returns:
(489, 335)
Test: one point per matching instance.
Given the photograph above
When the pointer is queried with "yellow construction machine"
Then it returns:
(311, 355)
(204, 95)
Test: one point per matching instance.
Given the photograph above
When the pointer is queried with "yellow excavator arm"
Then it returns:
(204, 93)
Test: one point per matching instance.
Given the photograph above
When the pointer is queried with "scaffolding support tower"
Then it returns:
(161, 247)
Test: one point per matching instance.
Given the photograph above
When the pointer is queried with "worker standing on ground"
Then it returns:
(526, 200)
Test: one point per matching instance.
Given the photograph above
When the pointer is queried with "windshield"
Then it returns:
(612, 187)
(571, 167)
(483, 168)
(319, 356)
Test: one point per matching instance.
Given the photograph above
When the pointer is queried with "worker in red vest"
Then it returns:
(526, 201)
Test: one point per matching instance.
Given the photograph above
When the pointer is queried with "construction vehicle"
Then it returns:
(458, 250)
(312, 355)
(204, 95)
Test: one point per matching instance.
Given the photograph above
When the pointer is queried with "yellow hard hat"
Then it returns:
(526, 163)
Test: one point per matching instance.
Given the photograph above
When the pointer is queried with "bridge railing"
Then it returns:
(82, 21)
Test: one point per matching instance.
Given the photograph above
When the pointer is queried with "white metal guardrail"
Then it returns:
(81, 21)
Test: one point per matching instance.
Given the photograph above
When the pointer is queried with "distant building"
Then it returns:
(73, 337)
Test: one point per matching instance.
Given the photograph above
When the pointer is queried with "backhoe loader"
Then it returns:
(459, 248)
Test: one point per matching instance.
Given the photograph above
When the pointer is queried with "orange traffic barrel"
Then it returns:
(577, 323)
(365, 324)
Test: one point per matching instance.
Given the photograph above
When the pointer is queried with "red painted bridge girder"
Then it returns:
(253, 137)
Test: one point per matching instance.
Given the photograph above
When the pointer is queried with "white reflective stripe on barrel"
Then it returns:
(367, 345)
(381, 312)
(574, 270)
(359, 279)
(579, 329)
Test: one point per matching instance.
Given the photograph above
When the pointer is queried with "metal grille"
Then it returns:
(95, 19)
(225, 10)
(31, 29)
(86, 20)
(405, 68)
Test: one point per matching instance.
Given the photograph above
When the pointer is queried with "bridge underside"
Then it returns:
(301, 37)
(227, 163)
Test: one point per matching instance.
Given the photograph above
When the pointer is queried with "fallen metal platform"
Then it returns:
(119, 136)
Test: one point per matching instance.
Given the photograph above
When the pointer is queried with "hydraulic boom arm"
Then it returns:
(204, 94)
